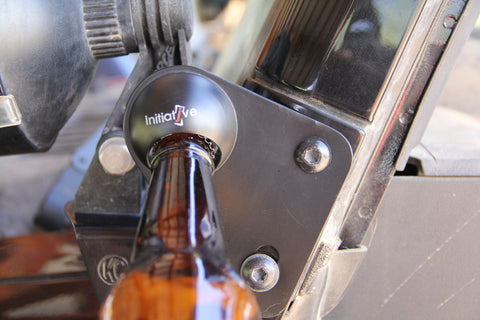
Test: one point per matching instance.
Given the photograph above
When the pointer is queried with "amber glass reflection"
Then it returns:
(180, 270)
(144, 294)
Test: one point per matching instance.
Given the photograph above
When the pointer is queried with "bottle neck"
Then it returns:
(181, 211)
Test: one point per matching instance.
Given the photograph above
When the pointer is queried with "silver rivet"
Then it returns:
(110, 267)
(312, 155)
(365, 212)
(260, 272)
(449, 22)
(405, 118)
(114, 156)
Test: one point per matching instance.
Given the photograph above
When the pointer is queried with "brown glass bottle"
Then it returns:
(180, 270)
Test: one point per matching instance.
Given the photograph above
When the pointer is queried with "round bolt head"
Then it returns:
(260, 272)
(312, 155)
(114, 156)
(449, 22)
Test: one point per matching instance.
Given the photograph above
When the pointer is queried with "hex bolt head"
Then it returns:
(260, 272)
(114, 156)
(312, 155)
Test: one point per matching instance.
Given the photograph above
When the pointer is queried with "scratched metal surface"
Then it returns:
(423, 260)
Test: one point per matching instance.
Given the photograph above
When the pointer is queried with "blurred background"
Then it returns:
(27, 181)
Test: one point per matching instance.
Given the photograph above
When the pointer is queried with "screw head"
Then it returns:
(260, 272)
(114, 156)
(312, 155)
